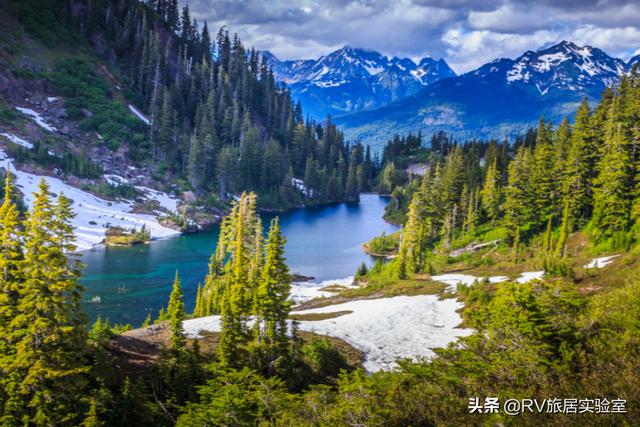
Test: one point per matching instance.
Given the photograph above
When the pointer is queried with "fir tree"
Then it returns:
(176, 314)
(518, 200)
(491, 193)
(49, 335)
(579, 167)
(612, 201)
(565, 228)
(11, 278)
(273, 293)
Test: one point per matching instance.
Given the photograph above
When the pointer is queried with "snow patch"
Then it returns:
(299, 185)
(166, 201)
(601, 262)
(115, 180)
(545, 62)
(139, 114)
(385, 329)
(93, 214)
(305, 291)
(529, 276)
(373, 68)
(518, 72)
(329, 83)
(454, 280)
(37, 118)
(17, 140)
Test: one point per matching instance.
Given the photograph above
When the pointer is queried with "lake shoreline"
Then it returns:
(323, 243)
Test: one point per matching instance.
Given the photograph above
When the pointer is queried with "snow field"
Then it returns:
(93, 214)
(385, 329)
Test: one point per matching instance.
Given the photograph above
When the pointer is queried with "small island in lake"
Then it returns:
(119, 236)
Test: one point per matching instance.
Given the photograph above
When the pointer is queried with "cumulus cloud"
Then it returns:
(467, 33)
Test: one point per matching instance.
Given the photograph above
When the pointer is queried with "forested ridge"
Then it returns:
(217, 114)
(547, 184)
(219, 123)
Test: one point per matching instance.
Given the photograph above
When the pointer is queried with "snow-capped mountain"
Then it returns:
(352, 79)
(501, 98)
(562, 66)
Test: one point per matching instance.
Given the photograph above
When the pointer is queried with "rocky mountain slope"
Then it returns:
(499, 99)
(352, 79)
(85, 151)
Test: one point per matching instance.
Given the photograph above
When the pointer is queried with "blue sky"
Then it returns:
(467, 33)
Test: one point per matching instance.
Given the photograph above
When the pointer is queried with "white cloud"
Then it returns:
(467, 33)
(469, 50)
(615, 41)
(509, 18)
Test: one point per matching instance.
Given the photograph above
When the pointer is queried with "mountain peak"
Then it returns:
(567, 44)
(352, 78)
(564, 65)
(269, 56)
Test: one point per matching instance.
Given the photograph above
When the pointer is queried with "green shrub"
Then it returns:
(323, 358)
(384, 244)
(88, 100)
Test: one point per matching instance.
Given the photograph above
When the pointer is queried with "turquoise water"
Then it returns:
(324, 242)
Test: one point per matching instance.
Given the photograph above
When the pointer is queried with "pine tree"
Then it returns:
(362, 270)
(49, 331)
(185, 24)
(612, 195)
(273, 293)
(173, 19)
(176, 313)
(547, 243)
(416, 235)
(565, 228)
(11, 256)
(236, 244)
(516, 245)
(518, 198)
(92, 419)
(491, 192)
(579, 167)
(198, 310)
(544, 183)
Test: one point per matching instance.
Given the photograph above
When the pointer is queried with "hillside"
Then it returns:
(90, 100)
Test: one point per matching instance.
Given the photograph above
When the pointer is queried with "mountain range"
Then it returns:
(499, 99)
(352, 79)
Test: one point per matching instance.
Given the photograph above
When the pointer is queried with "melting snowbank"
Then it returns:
(37, 118)
(93, 214)
(17, 140)
(454, 280)
(139, 114)
(601, 262)
(389, 329)
(528, 276)
(305, 291)
(385, 329)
